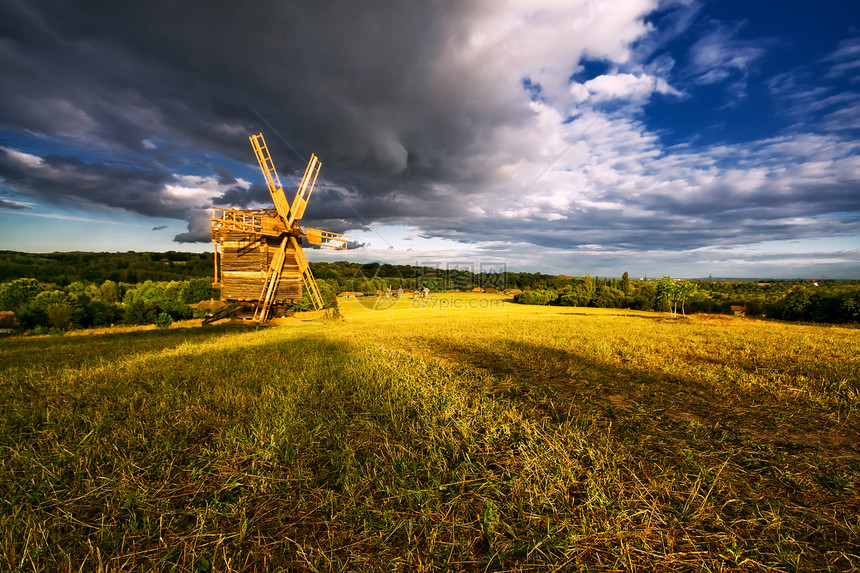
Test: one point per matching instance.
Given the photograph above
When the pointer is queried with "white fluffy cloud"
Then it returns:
(623, 86)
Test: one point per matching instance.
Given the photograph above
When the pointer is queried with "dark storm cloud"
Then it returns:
(71, 181)
(4, 204)
(240, 198)
(329, 75)
(413, 123)
(198, 227)
(356, 85)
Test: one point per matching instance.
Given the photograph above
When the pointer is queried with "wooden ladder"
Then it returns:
(270, 285)
(272, 179)
(307, 276)
(306, 187)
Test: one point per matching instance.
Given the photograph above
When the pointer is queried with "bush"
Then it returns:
(198, 289)
(163, 321)
(41, 330)
(145, 302)
(540, 297)
(16, 295)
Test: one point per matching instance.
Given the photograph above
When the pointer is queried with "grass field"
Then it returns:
(473, 434)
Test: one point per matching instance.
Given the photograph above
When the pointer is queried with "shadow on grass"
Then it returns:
(601, 315)
(560, 381)
(76, 351)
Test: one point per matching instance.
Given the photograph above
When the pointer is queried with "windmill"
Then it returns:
(258, 252)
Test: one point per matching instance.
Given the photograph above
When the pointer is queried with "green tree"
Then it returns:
(198, 289)
(674, 292)
(625, 283)
(109, 292)
(17, 294)
(54, 308)
(683, 290)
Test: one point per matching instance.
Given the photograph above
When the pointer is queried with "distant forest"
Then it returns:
(63, 269)
(58, 291)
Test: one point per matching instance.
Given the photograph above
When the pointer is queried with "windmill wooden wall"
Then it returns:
(243, 262)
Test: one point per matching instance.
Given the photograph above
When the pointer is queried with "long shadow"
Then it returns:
(601, 315)
(77, 351)
(559, 381)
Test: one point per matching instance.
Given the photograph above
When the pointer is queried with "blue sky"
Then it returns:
(680, 137)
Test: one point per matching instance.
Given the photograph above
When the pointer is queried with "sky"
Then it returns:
(678, 137)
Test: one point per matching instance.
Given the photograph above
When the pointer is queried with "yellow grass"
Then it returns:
(470, 434)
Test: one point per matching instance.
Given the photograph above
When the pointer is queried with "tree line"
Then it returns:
(45, 308)
(832, 301)
(62, 269)
(96, 289)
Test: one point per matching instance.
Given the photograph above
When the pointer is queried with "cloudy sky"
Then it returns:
(680, 137)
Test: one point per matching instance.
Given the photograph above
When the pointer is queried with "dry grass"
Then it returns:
(483, 437)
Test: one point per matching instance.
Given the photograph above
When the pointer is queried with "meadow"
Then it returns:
(473, 434)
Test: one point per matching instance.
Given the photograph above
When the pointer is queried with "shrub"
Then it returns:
(540, 297)
(41, 330)
(163, 321)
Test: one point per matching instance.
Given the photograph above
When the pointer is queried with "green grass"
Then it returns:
(470, 435)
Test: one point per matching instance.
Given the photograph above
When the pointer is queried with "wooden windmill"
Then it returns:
(258, 252)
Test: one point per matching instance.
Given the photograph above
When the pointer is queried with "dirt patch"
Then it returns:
(623, 399)
(285, 321)
(207, 305)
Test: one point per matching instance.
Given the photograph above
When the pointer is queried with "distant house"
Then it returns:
(351, 294)
(477, 289)
(739, 310)
(513, 291)
(8, 322)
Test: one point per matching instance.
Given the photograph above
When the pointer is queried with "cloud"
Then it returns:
(149, 190)
(815, 95)
(631, 87)
(14, 205)
(719, 56)
(198, 227)
(159, 227)
(844, 61)
(458, 118)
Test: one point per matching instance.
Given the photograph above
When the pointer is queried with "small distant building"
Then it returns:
(513, 291)
(814, 283)
(739, 310)
(477, 289)
(8, 322)
(351, 294)
(490, 290)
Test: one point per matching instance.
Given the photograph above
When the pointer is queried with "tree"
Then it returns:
(55, 308)
(109, 292)
(16, 295)
(198, 289)
(625, 283)
(683, 290)
(674, 292)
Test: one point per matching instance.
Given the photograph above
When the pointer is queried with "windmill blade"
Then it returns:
(270, 284)
(307, 276)
(327, 239)
(272, 179)
(297, 209)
